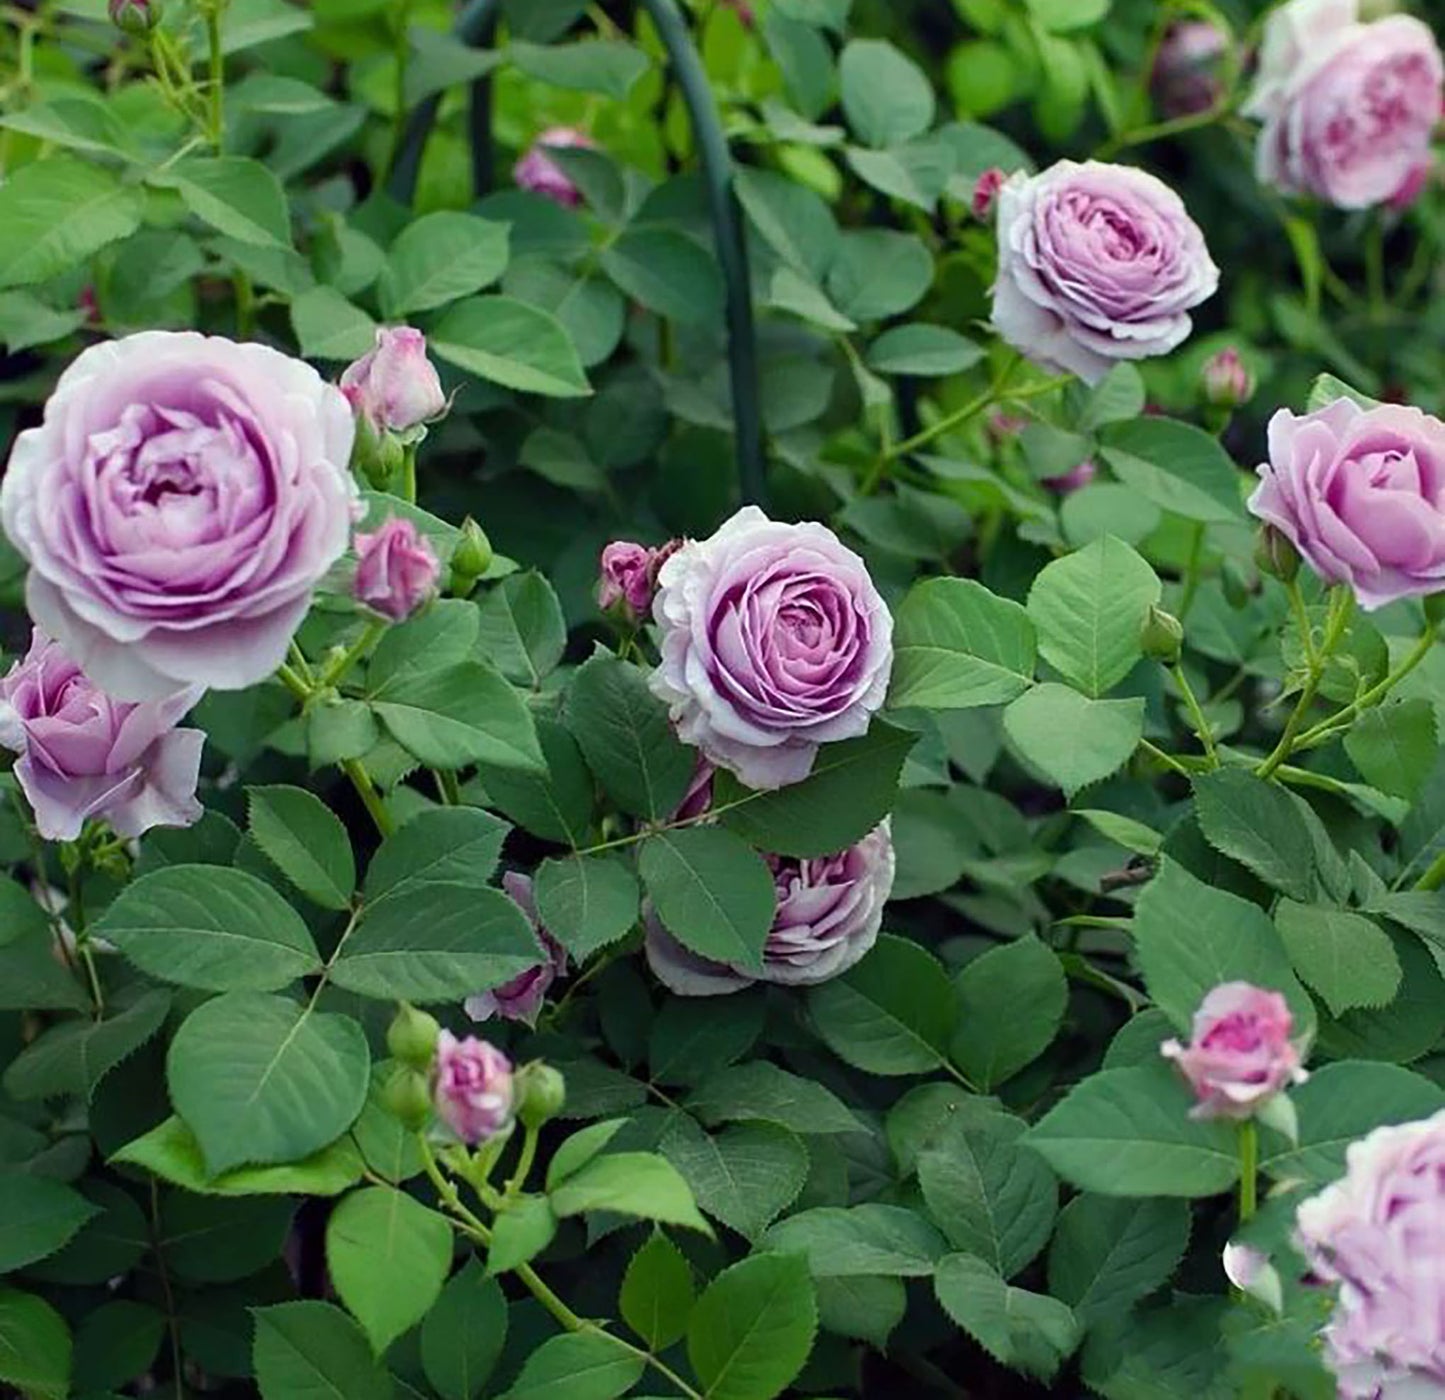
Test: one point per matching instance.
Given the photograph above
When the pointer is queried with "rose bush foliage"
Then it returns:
(598, 808)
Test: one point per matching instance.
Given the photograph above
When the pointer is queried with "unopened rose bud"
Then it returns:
(985, 192)
(136, 17)
(412, 1037)
(474, 1092)
(394, 387)
(540, 174)
(1162, 637)
(396, 569)
(1275, 555)
(471, 559)
(541, 1095)
(406, 1096)
(1226, 380)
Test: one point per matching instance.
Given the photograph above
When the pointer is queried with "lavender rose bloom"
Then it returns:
(394, 387)
(1360, 493)
(1096, 263)
(774, 640)
(538, 172)
(1348, 108)
(829, 914)
(1379, 1234)
(178, 505)
(1240, 1053)
(474, 1093)
(1186, 76)
(521, 999)
(396, 569)
(83, 754)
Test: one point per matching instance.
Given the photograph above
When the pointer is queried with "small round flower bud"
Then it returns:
(473, 555)
(136, 17)
(1275, 555)
(474, 1092)
(985, 192)
(412, 1037)
(1162, 637)
(541, 1094)
(1226, 380)
(407, 1097)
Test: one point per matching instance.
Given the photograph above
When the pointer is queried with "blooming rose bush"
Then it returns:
(721, 700)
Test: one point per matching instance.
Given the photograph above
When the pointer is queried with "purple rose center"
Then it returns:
(816, 904)
(1239, 1034)
(1395, 105)
(788, 644)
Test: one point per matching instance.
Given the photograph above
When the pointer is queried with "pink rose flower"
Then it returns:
(538, 172)
(1360, 493)
(1348, 108)
(829, 914)
(521, 999)
(1186, 75)
(1413, 187)
(84, 755)
(396, 569)
(473, 1093)
(774, 641)
(698, 798)
(1379, 1235)
(985, 192)
(178, 505)
(394, 387)
(1096, 263)
(1240, 1054)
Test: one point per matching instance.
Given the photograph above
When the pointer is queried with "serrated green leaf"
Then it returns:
(463, 1335)
(313, 1351)
(1347, 958)
(1017, 1328)
(55, 214)
(440, 258)
(658, 1293)
(1256, 823)
(1110, 1251)
(633, 1183)
(306, 842)
(1011, 1002)
(586, 902)
(510, 343)
(37, 1217)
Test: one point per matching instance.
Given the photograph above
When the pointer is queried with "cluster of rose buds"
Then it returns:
(629, 576)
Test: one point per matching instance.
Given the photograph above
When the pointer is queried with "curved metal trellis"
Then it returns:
(476, 26)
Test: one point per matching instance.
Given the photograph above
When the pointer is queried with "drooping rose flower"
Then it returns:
(538, 172)
(394, 386)
(396, 569)
(1360, 493)
(829, 913)
(1096, 263)
(179, 503)
(1348, 108)
(84, 755)
(1378, 1235)
(521, 998)
(473, 1091)
(1186, 77)
(774, 641)
(1240, 1053)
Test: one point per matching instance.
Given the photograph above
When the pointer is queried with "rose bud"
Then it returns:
(1275, 556)
(396, 569)
(405, 1096)
(85, 755)
(136, 17)
(774, 640)
(473, 1089)
(1358, 492)
(1186, 77)
(628, 578)
(1226, 380)
(1096, 263)
(1240, 1054)
(394, 387)
(829, 911)
(985, 192)
(1375, 1237)
(521, 998)
(1348, 108)
(540, 174)
(541, 1094)
(470, 559)
(1162, 637)
(412, 1037)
